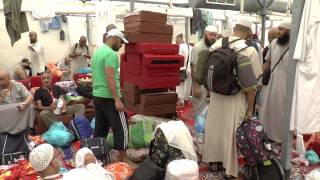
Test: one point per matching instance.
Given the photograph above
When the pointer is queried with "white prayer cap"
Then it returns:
(244, 22)
(41, 156)
(285, 24)
(211, 28)
(79, 160)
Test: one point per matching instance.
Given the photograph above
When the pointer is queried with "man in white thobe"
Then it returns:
(199, 93)
(273, 104)
(184, 89)
(37, 54)
(79, 53)
(226, 113)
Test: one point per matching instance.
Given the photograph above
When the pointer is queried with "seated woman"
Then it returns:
(16, 111)
(47, 98)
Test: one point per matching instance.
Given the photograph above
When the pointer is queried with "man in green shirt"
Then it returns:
(106, 92)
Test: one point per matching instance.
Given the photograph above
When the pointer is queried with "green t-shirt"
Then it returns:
(102, 58)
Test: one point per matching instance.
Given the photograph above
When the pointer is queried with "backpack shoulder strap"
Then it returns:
(75, 48)
(225, 42)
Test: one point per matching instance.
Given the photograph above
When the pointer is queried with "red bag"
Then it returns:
(120, 170)
(156, 61)
(152, 48)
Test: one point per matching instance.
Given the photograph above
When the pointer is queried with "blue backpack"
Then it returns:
(80, 127)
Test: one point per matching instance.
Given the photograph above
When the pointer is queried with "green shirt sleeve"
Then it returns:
(111, 61)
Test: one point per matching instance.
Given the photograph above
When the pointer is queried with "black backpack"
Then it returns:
(13, 147)
(99, 147)
(221, 71)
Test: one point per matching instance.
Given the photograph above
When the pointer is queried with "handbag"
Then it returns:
(99, 147)
(183, 73)
(267, 74)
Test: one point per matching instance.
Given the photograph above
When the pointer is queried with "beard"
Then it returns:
(207, 42)
(284, 39)
(32, 41)
(115, 48)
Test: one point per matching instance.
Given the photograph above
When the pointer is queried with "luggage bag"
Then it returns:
(131, 98)
(156, 61)
(157, 110)
(153, 83)
(99, 147)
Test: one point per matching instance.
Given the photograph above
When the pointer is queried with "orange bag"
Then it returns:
(120, 170)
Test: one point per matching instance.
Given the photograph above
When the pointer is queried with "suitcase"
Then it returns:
(136, 37)
(146, 16)
(153, 83)
(152, 48)
(157, 110)
(153, 99)
(155, 61)
(122, 61)
(134, 89)
(146, 27)
(131, 98)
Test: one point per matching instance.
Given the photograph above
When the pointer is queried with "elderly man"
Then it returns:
(199, 96)
(274, 96)
(65, 67)
(47, 99)
(80, 55)
(226, 113)
(45, 160)
(37, 54)
(23, 71)
(16, 111)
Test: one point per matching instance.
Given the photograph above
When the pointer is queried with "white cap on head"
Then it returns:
(211, 28)
(79, 160)
(117, 33)
(285, 24)
(41, 156)
(244, 22)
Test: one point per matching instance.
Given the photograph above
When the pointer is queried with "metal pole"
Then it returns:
(88, 30)
(263, 29)
(287, 136)
(132, 6)
(186, 29)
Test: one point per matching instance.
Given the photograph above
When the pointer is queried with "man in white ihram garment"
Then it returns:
(37, 54)
(273, 103)
(199, 93)
(226, 113)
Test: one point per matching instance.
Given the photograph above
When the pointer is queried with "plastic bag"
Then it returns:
(200, 124)
(58, 135)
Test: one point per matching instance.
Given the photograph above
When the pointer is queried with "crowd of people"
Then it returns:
(225, 113)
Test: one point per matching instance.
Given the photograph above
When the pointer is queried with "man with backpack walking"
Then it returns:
(232, 92)
(80, 54)
(199, 94)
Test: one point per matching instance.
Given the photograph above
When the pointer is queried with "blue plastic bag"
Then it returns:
(58, 135)
(200, 124)
(312, 157)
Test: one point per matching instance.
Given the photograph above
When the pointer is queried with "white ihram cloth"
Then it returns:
(37, 58)
(305, 116)
(178, 136)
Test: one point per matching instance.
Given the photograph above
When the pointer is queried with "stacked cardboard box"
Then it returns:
(150, 65)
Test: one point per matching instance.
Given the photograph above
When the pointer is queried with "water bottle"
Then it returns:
(57, 111)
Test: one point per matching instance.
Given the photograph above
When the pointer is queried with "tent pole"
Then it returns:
(186, 29)
(132, 6)
(298, 6)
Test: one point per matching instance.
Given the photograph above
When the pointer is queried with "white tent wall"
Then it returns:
(10, 57)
